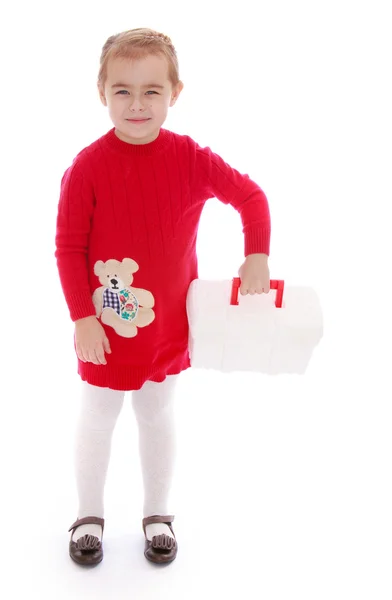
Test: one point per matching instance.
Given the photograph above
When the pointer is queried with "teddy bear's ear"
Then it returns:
(130, 265)
(98, 267)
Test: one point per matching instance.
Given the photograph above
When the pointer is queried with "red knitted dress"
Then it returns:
(126, 246)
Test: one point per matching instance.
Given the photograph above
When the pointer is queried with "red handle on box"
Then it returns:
(275, 284)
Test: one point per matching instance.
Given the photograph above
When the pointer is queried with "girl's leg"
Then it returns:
(100, 408)
(153, 405)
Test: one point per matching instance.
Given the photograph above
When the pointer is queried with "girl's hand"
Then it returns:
(91, 341)
(254, 274)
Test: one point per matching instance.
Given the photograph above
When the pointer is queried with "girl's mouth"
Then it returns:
(138, 121)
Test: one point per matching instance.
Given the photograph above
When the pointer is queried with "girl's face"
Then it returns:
(138, 89)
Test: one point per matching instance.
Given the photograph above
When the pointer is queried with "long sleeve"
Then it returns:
(75, 210)
(215, 178)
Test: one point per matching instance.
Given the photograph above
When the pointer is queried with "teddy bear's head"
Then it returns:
(114, 274)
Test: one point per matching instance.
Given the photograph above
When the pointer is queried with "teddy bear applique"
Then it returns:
(119, 305)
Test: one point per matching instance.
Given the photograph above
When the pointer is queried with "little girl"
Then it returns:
(127, 222)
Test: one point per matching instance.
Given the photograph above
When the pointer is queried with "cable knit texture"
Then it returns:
(144, 202)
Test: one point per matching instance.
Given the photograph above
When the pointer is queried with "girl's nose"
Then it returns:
(136, 103)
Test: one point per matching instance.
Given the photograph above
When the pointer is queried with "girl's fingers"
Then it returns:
(106, 345)
(92, 357)
(100, 355)
(79, 353)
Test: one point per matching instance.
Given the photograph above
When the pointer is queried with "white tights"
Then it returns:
(100, 408)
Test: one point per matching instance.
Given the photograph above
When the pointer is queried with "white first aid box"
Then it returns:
(274, 333)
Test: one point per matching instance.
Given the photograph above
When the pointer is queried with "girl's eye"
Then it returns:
(125, 91)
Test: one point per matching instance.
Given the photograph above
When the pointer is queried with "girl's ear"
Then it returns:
(176, 92)
(101, 93)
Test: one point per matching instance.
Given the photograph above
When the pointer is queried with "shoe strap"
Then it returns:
(158, 519)
(88, 521)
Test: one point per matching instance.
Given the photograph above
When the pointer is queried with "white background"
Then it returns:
(283, 485)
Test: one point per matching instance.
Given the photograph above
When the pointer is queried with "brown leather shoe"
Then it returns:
(162, 548)
(88, 549)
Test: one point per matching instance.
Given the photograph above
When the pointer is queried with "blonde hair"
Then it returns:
(136, 44)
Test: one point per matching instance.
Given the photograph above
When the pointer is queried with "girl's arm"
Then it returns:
(75, 210)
